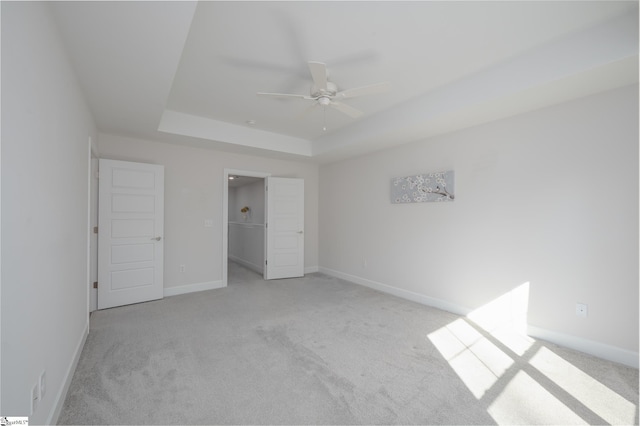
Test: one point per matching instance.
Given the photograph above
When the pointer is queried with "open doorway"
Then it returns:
(246, 227)
(282, 227)
(244, 215)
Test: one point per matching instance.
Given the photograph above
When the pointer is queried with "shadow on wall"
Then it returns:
(502, 367)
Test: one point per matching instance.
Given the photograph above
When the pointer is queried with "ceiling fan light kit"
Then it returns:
(325, 93)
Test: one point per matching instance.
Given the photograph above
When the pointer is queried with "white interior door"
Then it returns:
(284, 228)
(130, 233)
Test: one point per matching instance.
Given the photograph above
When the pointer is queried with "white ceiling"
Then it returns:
(188, 73)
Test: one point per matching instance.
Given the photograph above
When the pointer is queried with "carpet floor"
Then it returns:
(320, 350)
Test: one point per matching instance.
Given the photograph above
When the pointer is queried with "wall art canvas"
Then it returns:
(429, 187)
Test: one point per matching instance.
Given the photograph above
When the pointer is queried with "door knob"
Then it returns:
(300, 232)
(157, 238)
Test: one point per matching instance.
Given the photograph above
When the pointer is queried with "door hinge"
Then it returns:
(266, 262)
(95, 284)
(95, 229)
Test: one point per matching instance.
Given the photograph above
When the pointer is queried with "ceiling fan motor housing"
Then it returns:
(329, 92)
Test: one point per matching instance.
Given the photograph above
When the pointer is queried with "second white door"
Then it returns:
(284, 241)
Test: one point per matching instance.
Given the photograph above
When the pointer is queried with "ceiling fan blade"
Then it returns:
(346, 109)
(283, 95)
(319, 74)
(364, 90)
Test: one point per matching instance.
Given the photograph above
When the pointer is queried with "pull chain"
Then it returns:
(324, 118)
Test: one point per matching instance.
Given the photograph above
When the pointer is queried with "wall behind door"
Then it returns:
(252, 196)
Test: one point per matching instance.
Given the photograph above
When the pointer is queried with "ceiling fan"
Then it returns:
(326, 94)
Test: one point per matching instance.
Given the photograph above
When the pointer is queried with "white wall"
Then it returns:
(45, 162)
(232, 204)
(246, 245)
(251, 195)
(549, 197)
(193, 192)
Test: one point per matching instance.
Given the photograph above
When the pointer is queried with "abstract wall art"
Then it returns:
(429, 187)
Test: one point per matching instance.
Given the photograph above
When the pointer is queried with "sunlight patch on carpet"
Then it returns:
(477, 361)
(525, 401)
(501, 368)
(607, 404)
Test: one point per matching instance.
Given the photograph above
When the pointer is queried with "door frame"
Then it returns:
(92, 239)
(225, 212)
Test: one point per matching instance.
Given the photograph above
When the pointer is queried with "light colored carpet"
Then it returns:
(319, 350)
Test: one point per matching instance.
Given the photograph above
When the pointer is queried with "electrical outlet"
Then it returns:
(182, 268)
(581, 309)
(35, 398)
(43, 384)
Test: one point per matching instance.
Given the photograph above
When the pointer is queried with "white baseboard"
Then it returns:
(404, 294)
(591, 347)
(191, 288)
(311, 269)
(62, 392)
(600, 350)
(256, 268)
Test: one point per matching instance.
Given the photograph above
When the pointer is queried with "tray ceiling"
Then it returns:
(188, 72)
